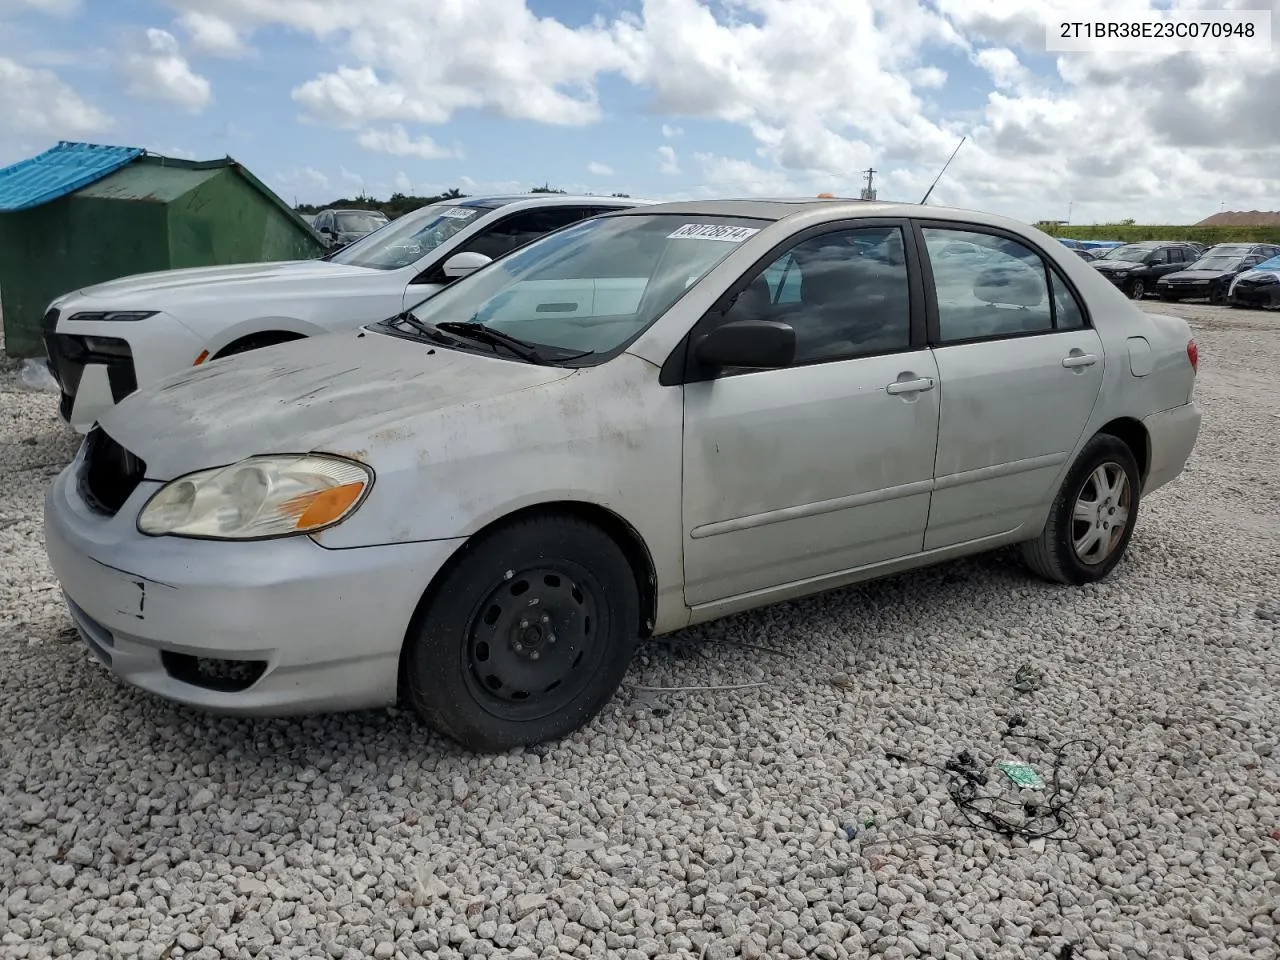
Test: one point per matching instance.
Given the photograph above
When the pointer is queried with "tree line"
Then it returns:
(398, 204)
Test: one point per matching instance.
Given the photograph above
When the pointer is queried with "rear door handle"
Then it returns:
(1079, 360)
(910, 386)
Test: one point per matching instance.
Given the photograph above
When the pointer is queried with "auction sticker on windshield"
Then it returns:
(712, 231)
(459, 213)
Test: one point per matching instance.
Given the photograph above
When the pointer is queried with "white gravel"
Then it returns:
(705, 823)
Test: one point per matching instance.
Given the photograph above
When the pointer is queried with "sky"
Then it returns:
(668, 99)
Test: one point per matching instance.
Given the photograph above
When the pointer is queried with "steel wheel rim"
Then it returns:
(535, 641)
(1101, 513)
(1139, 288)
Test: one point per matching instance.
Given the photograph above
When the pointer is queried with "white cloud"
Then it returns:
(402, 182)
(37, 103)
(824, 89)
(213, 35)
(668, 163)
(396, 141)
(599, 169)
(161, 72)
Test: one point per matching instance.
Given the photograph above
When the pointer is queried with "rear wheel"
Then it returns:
(1136, 288)
(1092, 517)
(527, 637)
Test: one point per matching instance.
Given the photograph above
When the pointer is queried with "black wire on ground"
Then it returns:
(1050, 819)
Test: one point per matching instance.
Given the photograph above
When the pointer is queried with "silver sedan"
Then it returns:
(647, 420)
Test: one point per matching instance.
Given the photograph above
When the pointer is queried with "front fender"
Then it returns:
(270, 324)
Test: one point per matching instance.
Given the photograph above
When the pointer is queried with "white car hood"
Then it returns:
(151, 290)
(332, 393)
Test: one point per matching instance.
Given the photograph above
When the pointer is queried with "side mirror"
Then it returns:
(461, 264)
(326, 229)
(748, 343)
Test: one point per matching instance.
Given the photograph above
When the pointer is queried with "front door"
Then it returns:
(799, 473)
(1020, 371)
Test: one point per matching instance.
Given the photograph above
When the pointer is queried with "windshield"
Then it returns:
(1130, 251)
(410, 238)
(359, 222)
(1216, 262)
(593, 286)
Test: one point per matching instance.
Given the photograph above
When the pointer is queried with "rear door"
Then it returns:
(1020, 369)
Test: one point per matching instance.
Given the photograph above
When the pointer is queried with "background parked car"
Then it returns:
(1211, 275)
(1259, 287)
(107, 340)
(340, 227)
(1135, 267)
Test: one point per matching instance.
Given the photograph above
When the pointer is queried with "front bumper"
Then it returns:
(1173, 436)
(1264, 295)
(1186, 290)
(97, 364)
(312, 629)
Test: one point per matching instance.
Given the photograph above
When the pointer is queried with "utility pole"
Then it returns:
(869, 191)
(1070, 206)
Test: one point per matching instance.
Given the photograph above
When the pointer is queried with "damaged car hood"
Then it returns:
(323, 393)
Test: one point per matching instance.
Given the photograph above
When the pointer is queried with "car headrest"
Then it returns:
(1010, 286)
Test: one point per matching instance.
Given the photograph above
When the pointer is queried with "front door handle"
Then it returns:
(1079, 360)
(919, 385)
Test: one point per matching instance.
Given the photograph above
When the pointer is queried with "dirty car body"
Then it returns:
(107, 340)
(648, 420)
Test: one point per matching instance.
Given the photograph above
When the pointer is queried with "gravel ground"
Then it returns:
(714, 823)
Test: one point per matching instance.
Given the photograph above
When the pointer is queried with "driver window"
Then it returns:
(845, 294)
(1160, 256)
(516, 231)
(1005, 292)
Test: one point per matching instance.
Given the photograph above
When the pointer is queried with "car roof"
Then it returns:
(548, 200)
(782, 208)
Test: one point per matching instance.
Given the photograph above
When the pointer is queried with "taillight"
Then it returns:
(1193, 354)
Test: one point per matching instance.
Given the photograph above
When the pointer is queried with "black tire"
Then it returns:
(1136, 288)
(1217, 296)
(255, 341)
(1053, 555)
(481, 670)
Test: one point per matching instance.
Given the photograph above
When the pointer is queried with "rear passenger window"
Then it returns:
(989, 286)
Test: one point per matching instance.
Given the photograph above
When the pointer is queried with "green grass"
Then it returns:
(1127, 233)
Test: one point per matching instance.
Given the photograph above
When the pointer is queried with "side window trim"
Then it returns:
(934, 339)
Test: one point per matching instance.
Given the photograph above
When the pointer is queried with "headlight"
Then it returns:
(110, 316)
(257, 498)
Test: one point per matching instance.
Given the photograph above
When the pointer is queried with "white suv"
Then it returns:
(107, 340)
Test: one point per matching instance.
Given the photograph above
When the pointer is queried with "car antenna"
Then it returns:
(942, 171)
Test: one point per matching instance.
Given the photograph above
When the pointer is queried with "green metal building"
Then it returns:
(81, 214)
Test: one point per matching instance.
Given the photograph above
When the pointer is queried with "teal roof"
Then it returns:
(58, 171)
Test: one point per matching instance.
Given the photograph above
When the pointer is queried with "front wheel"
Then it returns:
(527, 637)
(1218, 296)
(1092, 517)
(1137, 288)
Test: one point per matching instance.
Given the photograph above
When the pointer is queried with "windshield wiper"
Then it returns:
(426, 329)
(523, 349)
